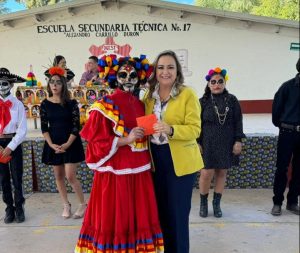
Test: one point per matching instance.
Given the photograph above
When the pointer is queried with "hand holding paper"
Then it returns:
(5, 159)
(147, 123)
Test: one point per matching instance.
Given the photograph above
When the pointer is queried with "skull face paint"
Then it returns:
(5, 87)
(127, 77)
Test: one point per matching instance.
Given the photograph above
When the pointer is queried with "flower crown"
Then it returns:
(143, 67)
(217, 70)
(56, 71)
(109, 65)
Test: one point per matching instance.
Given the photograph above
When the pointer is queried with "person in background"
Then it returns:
(92, 73)
(63, 147)
(13, 129)
(60, 61)
(174, 148)
(221, 137)
(122, 213)
(286, 116)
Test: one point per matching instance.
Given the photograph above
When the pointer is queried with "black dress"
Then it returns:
(61, 121)
(219, 134)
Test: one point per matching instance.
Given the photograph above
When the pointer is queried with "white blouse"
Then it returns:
(159, 109)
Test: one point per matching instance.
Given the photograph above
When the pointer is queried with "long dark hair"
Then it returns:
(57, 59)
(179, 79)
(64, 95)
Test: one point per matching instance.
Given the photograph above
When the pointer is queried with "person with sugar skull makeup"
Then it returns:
(220, 140)
(127, 77)
(122, 214)
(63, 148)
(13, 129)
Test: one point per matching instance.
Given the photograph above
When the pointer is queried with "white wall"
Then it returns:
(257, 58)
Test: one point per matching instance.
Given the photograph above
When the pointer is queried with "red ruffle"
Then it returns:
(121, 215)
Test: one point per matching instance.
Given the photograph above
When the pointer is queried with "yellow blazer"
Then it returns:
(183, 114)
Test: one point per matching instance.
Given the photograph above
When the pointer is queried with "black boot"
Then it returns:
(9, 215)
(203, 205)
(216, 205)
(294, 208)
(20, 215)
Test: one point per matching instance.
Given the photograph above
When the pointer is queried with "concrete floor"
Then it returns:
(246, 227)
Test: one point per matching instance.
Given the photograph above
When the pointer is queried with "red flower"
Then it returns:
(56, 71)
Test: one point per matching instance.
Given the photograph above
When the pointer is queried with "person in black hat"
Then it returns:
(286, 116)
(13, 129)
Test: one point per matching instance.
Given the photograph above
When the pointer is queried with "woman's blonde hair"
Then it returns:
(179, 78)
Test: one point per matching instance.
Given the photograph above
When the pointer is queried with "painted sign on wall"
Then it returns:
(111, 30)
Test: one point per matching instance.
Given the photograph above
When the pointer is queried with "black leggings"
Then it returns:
(288, 146)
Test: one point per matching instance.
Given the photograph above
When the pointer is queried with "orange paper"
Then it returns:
(147, 123)
(5, 159)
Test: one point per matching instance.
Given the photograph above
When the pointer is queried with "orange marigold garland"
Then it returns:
(56, 71)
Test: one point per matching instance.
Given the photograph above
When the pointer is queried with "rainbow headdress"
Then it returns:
(141, 64)
(109, 65)
(30, 79)
(217, 70)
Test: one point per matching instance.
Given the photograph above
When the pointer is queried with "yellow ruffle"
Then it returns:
(108, 109)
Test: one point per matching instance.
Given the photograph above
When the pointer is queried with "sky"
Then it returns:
(13, 6)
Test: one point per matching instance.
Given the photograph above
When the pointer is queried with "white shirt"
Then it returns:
(17, 124)
(159, 109)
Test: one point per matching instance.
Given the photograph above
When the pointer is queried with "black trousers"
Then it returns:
(173, 196)
(288, 147)
(12, 170)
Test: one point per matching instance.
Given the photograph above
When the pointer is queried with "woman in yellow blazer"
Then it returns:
(176, 155)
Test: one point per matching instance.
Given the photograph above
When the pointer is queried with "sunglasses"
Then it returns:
(123, 75)
(57, 82)
(213, 82)
(4, 83)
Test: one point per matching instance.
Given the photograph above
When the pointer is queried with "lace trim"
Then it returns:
(126, 171)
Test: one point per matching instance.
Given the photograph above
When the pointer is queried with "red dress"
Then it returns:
(122, 214)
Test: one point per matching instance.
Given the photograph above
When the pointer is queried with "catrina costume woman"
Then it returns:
(13, 129)
(122, 215)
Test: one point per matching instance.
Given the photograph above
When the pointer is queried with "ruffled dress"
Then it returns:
(122, 214)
